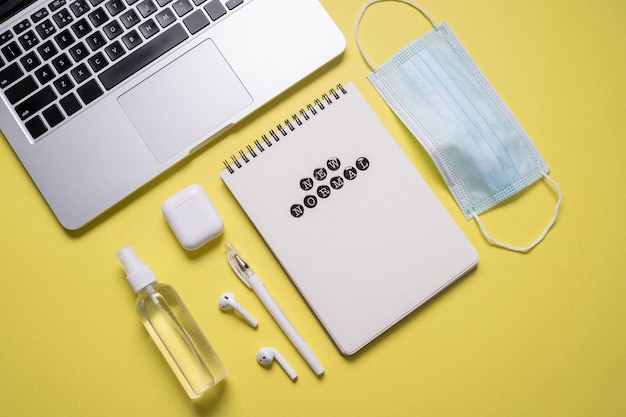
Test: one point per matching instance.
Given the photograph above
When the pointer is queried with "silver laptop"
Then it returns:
(100, 96)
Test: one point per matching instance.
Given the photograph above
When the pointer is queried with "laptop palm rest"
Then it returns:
(196, 93)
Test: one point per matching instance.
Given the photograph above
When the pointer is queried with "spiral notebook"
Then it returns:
(349, 218)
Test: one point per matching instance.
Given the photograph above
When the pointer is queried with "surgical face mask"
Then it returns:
(480, 149)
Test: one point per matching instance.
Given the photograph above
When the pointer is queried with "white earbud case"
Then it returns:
(192, 217)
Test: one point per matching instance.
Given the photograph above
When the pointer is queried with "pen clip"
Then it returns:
(238, 265)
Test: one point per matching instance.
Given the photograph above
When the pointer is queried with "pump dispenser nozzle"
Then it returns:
(138, 274)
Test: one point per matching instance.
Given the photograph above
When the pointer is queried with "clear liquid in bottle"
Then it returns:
(173, 329)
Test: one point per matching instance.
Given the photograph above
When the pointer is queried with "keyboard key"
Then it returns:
(62, 63)
(46, 28)
(62, 18)
(78, 51)
(53, 115)
(165, 18)
(97, 62)
(36, 102)
(70, 104)
(199, 2)
(196, 21)
(112, 30)
(80, 73)
(44, 74)
(79, 7)
(5, 37)
(215, 9)
(163, 2)
(132, 40)
(148, 28)
(182, 7)
(38, 15)
(30, 61)
(95, 41)
(47, 50)
(36, 127)
(114, 51)
(63, 84)
(56, 4)
(98, 17)
(89, 92)
(130, 19)
(28, 40)
(64, 39)
(231, 4)
(146, 8)
(81, 28)
(143, 56)
(11, 51)
(21, 89)
(115, 7)
(21, 26)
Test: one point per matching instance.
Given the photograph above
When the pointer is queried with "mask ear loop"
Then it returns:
(358, 22)
(539, 239)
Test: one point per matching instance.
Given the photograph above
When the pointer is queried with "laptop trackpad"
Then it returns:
(185, 101)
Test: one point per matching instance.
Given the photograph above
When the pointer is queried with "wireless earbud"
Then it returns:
(266, 356)
(227, 302)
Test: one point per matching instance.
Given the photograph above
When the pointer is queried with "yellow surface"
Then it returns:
(538, 334)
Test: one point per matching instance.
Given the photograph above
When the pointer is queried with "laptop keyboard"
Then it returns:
(69, 53)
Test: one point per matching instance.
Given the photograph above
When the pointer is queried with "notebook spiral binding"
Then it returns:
(297, 119)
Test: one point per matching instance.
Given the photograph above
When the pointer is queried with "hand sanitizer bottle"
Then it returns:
(172, 328)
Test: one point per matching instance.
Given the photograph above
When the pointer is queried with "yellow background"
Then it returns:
(537, 334)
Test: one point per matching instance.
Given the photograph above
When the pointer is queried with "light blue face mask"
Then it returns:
(480, 149)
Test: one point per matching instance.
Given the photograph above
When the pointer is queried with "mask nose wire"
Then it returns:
(367, 5)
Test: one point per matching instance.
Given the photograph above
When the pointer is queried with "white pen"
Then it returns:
(247, 275)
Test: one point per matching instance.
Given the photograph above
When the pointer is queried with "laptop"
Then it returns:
(98, 97)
